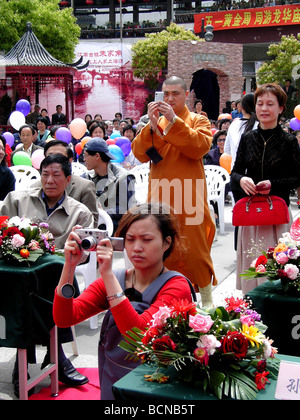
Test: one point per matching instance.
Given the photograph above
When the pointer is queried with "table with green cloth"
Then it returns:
(26, 318)
(281, 313)
(26, 298)
(134, 386)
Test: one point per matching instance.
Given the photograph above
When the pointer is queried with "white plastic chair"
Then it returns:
(89, 270)
(78, 168)
(141, 173)
(216, 179)
(25, 176)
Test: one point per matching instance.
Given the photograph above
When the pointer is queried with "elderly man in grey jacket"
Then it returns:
(51, 204)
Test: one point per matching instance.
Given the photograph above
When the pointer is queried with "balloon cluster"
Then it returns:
(295, 122)
(119, 146)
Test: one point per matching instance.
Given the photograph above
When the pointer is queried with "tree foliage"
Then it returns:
(56, 29)
(150, 55)
(285, 61)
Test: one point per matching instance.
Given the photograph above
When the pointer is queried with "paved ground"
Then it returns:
(223, 255)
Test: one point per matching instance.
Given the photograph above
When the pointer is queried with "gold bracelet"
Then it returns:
(116, 296)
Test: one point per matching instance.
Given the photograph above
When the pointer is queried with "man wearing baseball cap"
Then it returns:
(115, 186)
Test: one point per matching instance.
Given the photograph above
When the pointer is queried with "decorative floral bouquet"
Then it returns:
(222, 350)
(24, 241)
(281, 262)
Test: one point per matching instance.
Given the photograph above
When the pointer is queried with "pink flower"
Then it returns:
(200, 323)
(260, 269)
(160, 317)
(208, 342)
(34, 245)
(17, 241)
(201, 355)
(291, 271)
(247, 319)
(282, 258)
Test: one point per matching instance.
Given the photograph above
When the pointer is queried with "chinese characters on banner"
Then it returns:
(107, 85)
(249, 18)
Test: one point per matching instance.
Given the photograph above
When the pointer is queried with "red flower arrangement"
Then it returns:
(223, 349)
(281, 262)
(24, 241)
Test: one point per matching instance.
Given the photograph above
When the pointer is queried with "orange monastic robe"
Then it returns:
(179, 181)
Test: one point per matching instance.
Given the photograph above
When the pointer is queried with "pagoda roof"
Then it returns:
(29, 51)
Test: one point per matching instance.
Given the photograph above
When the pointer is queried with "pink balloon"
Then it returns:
(111, 141)
(78, 128)
(37, 157)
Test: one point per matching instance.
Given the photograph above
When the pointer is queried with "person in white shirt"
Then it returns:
(26, 133)
(240, 125)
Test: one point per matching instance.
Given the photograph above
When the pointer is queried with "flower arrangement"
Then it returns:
(222, 350)
(281, 262)
(24, 241)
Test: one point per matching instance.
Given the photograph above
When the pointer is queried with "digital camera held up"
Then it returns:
(91, 237)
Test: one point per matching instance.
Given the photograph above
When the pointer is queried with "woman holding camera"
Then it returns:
(150, 233)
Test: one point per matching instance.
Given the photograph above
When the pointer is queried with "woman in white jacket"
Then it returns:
(240, 125)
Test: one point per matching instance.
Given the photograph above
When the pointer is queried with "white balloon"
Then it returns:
(17, 119)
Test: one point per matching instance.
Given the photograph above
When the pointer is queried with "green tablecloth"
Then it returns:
(279, 312)
(26, 301)
(134, 386)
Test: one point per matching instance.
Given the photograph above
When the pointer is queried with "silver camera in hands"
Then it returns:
(159, 96)
(91, 237)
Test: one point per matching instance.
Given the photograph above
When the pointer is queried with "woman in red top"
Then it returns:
(150, 232)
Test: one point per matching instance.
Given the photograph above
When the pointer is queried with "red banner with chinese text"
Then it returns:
(249, 18)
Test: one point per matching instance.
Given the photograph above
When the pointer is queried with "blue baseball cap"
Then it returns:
(98, 145)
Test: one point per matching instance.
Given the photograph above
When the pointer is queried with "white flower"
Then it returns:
(25, 223)
(267, 348)
(14, 221)
(287, 240)
(17, 241)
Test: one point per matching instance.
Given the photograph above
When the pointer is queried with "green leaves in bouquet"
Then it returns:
(34, 255)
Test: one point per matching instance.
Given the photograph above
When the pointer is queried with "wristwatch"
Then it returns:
(174, 119)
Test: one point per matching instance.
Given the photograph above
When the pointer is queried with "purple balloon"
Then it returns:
(23, 106)
(125, 144)
(64, 134)
(295, 124)
(9, 137)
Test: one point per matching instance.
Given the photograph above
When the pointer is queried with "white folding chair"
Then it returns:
(216, 179)
(78, 168)
(25, 176)
(89, 269)
(141, 173)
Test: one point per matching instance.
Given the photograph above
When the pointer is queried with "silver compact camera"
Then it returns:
(159, 96)
(91, 237)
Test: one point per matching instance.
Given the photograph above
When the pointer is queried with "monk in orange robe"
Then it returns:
(181, 138)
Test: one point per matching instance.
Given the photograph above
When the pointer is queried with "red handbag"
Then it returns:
(260, 210)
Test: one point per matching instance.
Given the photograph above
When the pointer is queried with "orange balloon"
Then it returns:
(227, 116)
(297, 112)
(78, 128)
(85, 140)
(225, 162)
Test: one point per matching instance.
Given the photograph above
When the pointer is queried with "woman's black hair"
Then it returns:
(3, 163)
